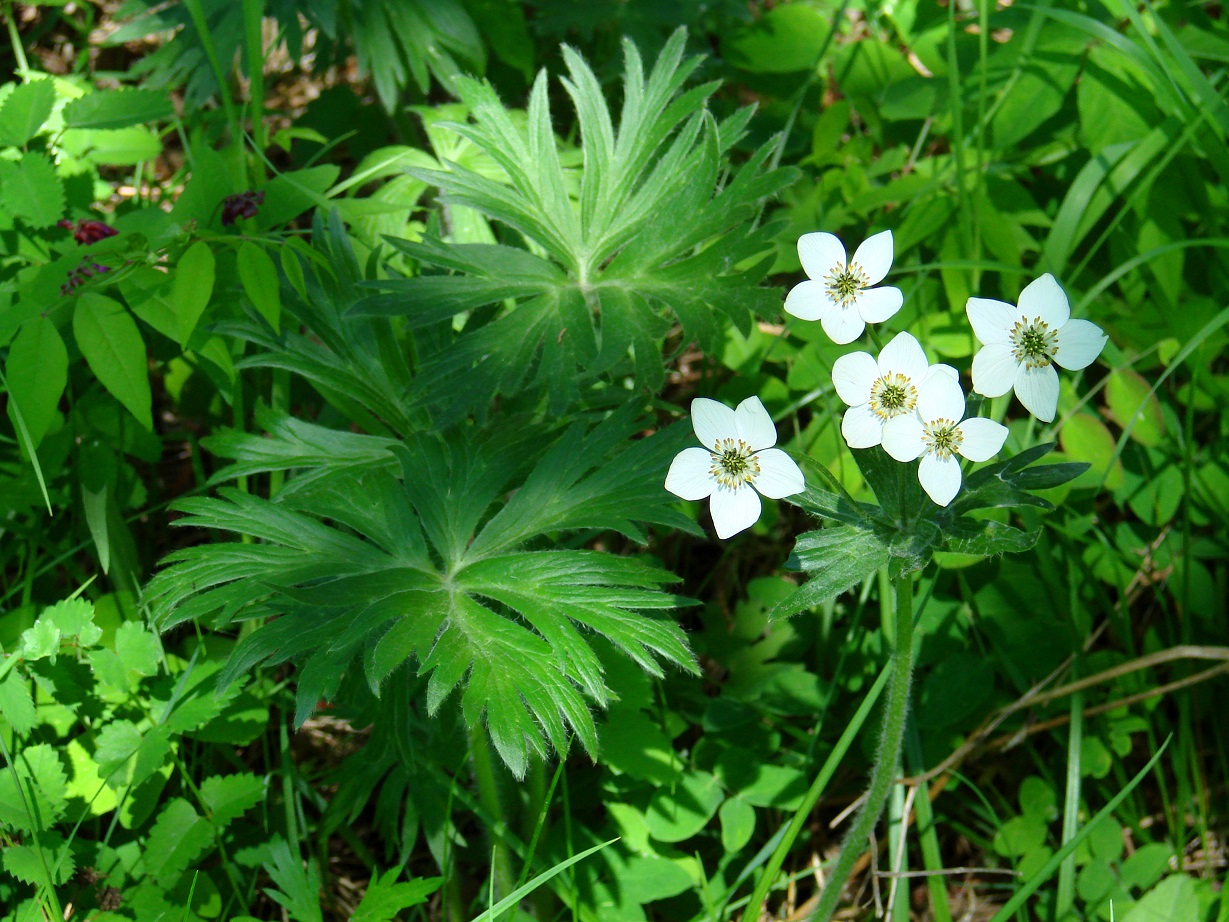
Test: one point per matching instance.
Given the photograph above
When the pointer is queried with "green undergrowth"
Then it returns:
(337, 575)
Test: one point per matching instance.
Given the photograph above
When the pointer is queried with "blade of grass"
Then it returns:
(516, 895)
(932, 860)
(802, 814)
(1064, 899)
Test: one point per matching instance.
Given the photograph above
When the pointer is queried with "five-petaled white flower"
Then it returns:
(935, 432)
(1022, 344)
(838, 292)
(737, 456)
(879, 390)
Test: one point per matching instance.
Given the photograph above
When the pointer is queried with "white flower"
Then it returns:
(737, 455)
(1022, 344)
(878, 390)
(936, 433)
(838, 293)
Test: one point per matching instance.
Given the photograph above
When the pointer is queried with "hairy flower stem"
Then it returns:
(884, 772)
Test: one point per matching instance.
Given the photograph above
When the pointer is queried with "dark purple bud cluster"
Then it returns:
(242, 205)
(82, 274)
(88, 231)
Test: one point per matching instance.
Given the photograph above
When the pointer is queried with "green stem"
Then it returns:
(19, 52)
(487, 778)
(884, 773)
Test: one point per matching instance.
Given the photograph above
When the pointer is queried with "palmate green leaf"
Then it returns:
(356, 363)
(663, 232)
(290, 444)
(435, 565)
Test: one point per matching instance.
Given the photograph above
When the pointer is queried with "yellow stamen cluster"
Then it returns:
(942, 437)
(892, 395)
(1034, 342)
(734, 463)
(845, 284)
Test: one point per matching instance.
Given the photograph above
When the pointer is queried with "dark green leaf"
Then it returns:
(37, 373)
(836, 559)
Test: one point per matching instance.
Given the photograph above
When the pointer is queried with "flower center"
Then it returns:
(845, 284)
(1034, 342)
(892, 395)
(734, 463)
(942, 438)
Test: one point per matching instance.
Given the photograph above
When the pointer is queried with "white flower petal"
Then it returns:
(711, 421)
(991, 320)
(874, 256)
(1037, 389)
(809, 301)
(940, 478)
(994, 370)
(843, 325)
(1043, 298)
(734, 510)
(942, 369)
(940, 397)
(902, 437)
(903, 355)
(878, 304)
(982, 438)
(689, 475)
(861, 427)
(852, 376)
(779, 475)
(1079, 343)
(753, 425)
(820, 254)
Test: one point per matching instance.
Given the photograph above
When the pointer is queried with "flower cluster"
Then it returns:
(82, 274)
(897, 400)
(85, 232)
(241, 205)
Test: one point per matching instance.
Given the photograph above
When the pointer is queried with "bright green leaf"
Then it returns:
(737, 824)
(192, 288)
(24, 111)
(177, 838)
(117, 109)
(259, 278)
(37, 372)
(110, 341)
(227, 797)
(16, 703)
(138, 649)
(679, 810)
(31, 189)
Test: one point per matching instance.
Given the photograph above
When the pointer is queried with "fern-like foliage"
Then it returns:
(433, 551)
(657, 229)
